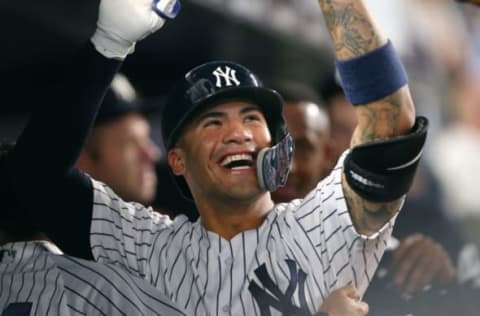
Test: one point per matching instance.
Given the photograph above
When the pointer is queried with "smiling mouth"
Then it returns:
(237, 162)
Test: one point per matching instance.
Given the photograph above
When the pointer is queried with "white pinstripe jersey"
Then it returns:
(36, 279)
(301, 252)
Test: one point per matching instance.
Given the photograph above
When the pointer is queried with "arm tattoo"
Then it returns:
(378, 120)
(368, 217)
(353, 34)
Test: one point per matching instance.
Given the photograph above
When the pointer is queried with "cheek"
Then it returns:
(263, 136)
(205, 143)
(128, 155)
(195, 155)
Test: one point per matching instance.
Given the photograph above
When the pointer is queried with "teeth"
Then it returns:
(233, 158)
(240, 168)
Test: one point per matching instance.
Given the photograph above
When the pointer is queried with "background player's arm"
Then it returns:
(355, 34)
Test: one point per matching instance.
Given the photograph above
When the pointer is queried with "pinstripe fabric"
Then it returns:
(36, 272)
(208, 275)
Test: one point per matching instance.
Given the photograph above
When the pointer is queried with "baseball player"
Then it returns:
(228, 147)
(35, 277)
(119, 150)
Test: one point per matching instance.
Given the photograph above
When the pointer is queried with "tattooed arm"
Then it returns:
(354, 34)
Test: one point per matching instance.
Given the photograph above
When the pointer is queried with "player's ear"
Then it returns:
(176, 161)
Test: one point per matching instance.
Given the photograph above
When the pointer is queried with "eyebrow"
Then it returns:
(217, 114)
(250, 108)
(210, 114)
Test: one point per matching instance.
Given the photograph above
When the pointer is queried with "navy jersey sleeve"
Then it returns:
(40, 168)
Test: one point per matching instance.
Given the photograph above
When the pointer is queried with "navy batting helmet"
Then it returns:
(213, 83)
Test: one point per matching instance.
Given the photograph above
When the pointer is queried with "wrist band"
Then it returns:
(372, 76)
(166, 9)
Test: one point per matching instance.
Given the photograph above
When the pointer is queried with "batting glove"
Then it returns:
(121, 23)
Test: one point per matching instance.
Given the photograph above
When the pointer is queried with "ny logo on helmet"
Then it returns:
(228, 75)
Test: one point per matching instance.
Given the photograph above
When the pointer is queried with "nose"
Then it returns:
(150, 151)
(237, 132)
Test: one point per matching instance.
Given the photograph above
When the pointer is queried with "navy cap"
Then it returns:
(121, 99)
(212, 83)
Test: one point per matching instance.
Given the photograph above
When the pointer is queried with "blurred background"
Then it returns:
(438, 40)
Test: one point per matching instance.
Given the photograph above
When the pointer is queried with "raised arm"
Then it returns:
(384, 108)
(354, 34)
(40, 167)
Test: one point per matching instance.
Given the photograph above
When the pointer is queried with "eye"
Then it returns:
(253, 117)
(212, 122)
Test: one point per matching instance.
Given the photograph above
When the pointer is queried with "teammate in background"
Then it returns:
(119, 150)
(308, 124)
(37, 279)
(245, 255)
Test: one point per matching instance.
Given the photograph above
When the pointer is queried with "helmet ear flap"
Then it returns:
(274, 164)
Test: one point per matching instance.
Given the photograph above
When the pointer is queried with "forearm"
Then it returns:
(354, 34)
(352, 30)
(368, 217)
(49, 145)
(391, 116)
(40, 165)
(379, 120)
(383, 111)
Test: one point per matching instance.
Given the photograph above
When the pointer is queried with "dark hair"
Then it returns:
(14, 219)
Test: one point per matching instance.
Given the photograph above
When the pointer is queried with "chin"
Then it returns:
(243, 193)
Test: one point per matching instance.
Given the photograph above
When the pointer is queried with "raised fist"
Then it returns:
(123, 22)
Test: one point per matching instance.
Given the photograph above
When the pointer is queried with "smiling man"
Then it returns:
(229, 147)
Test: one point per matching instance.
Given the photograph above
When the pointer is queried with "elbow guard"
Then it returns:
(383, 171)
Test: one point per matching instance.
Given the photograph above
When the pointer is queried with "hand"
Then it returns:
(419, 262)
(123, 22)
(344, 301)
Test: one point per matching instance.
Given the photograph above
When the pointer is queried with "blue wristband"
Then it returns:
(372, 76)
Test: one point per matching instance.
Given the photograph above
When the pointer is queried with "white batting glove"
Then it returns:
(123, 22)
